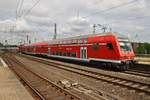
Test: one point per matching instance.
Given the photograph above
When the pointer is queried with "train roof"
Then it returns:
(118, 35)
(40, 43)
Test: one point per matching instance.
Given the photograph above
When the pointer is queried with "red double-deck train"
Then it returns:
(108, 49)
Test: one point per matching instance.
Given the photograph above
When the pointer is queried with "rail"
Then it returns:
(131, 84)
(39, 84)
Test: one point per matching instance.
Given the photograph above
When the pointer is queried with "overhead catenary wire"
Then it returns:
(27, 12)
(21, 12)
(85, 16)
(111, 8)
(18, 4)
(28, 5)
(108, 9)
(130, 18)
(20, 8)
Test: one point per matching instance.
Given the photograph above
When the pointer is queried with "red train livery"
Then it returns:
(107, 48)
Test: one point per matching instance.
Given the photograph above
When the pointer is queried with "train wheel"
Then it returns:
(109, 66)
(125, 67)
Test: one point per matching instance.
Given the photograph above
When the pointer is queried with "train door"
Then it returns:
(49, 51)
(83, 52)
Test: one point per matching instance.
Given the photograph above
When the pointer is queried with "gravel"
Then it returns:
(56, 75)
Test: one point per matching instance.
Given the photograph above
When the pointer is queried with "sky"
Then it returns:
(36, 19)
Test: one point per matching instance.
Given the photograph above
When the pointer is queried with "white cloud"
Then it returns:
(45, 21)
(76, 25)
(21, 24)
(64, 12)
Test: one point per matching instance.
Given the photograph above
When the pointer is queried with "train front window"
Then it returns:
(125, 46)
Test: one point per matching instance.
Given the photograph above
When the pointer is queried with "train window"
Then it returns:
(85, 40)
(59, 53)
(68, 54)
(59, 42)
(64, 42)
(80, 41)
(95, 46)
(125, 46)
(110, 46)
(65, 54)
(55, 42)
(69, 41)
(73, 54)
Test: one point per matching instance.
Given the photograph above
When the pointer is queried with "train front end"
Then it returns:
(126, 52)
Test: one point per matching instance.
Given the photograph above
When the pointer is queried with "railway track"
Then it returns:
(139, 70)
(43, 87)
(138, 73)
(130, 84)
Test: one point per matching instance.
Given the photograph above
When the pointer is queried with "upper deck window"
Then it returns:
(85, 40)
(61, 42)
(64, 42)
(69, 41)
(80, 41)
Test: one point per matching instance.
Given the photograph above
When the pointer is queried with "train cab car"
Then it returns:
(107, 48)
(126, 52)
(112, 50)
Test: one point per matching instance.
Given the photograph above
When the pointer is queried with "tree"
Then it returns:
(147, 48)
(140, 50)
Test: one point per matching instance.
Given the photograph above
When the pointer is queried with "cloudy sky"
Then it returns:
(36, 18)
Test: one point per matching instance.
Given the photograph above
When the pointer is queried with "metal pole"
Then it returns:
(27, 39)
(55, 31)
(94, 26)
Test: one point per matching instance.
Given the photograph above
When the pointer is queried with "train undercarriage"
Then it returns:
(122, 66)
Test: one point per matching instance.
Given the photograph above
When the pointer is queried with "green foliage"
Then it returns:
(143, 48)
(140, 50)
(147, 47)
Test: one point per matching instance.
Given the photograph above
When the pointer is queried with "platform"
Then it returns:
(10, 87)
(143, 60)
